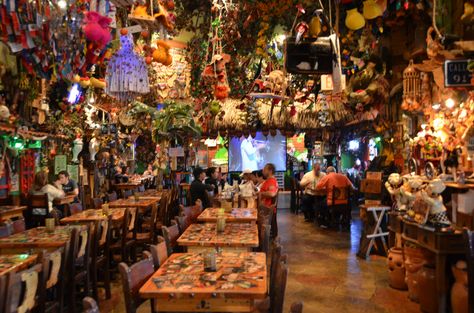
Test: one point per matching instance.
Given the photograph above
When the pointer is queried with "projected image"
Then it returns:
(254, 153)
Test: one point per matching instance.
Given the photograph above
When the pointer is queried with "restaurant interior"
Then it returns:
(262, 156)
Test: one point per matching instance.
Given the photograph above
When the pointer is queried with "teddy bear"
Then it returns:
(393, 186)
(432, 196)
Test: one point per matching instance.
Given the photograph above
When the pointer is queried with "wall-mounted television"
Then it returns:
(254, 153)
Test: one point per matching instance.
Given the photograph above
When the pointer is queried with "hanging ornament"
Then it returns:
(411, 88)
(354, 20)
(127, 73)
(371, 9)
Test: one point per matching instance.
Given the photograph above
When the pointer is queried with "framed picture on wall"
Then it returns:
(318, 148)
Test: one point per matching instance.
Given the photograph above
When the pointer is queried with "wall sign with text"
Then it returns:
(456, 73)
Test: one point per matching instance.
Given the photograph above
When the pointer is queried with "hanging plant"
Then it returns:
(175, 122)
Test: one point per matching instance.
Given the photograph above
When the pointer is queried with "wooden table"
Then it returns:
(443, 245)
(90, 216)
(150, 194)
(143, 204)
(182, 285)
(236, 215)
(122, 187)
(16, 262)
(36, 238)
(8, 212)
(236, 237)
(68, 199)
(459, 186)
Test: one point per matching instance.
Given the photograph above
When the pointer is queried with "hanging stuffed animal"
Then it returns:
(96, 30)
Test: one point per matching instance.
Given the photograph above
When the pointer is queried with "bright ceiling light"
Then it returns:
(449, 103)
(62, 4)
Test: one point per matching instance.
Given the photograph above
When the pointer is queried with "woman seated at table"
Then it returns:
(149, 171)
(41, 187)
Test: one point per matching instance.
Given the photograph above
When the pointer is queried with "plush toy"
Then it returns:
(393, 185)
(96, 31)
(162, 53)
(432, 197)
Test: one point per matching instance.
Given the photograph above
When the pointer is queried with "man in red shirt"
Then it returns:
(333, 179)
(269, 192)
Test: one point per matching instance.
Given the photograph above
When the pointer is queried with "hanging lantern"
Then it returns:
(411, 88)
(371, 9)
(354, 20)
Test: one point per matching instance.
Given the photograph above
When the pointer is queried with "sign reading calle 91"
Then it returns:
(456, 73)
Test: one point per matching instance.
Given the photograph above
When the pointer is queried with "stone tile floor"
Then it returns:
(324, 273)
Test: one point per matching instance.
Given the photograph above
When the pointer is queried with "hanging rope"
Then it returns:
(434, 20)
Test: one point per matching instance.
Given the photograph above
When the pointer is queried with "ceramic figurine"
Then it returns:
(393, 185)
(77, 148)
(93, 148)
(460, 290)
(408, 195)
(432, 196)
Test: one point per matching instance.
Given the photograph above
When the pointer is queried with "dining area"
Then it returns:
(156, 253)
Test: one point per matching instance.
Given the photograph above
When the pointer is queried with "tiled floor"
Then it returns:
(324, 273)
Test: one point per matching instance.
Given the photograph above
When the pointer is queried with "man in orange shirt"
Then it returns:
(268, 192)
(333, 179)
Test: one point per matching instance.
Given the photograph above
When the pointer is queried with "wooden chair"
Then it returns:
(275, 259)
(100, 256)
(171, 235)
(75, 208)
(54, 273)
(469, 239)
(296, 307)
(187, 216)
(97, 203)
(278, 287)
(37, 211)
(25, 290)
(18, 226)
(159, 252)
(78, 265)
(295, 199)
(133, 278)
(89, 305)
(3, 291)
(265, 240)
(148, 235)
(122, 248)
(112, 196)
(340, 208)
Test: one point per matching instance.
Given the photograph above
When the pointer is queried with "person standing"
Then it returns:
(211, 179)
(199, 190)
(258, 179)
(312, 198)
(269, 192)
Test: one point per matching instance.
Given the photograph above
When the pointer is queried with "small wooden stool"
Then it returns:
(373, 231)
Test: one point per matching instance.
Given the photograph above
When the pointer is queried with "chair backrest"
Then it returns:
(159, 252)
(340, 195)
(127, 221)
(79, 249)
(101, 238)
(25, 289)
(127, 193)
(18, 226)
(3, 291)
(469, 239)
(264, 238)
(276, 257)
(163, 207)
(38, 202)
(133, 278)
(89, 305)
(296, 307)
(6, 230)
(75, 208)
(112, 196)
(97, 203)
(53, 267)
(279, 287)
(171, 235)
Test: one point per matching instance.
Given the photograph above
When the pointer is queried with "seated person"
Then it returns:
(211, 179)
(331, 180)
(119, 177)
(69, 185)
(199, 190)
(312, 199)
(41, 187)
(149, 171)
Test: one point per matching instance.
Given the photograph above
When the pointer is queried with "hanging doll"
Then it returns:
(432, 196)
(96, 30)
(393, 185)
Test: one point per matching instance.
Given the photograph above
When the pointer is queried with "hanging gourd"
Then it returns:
(411, 88)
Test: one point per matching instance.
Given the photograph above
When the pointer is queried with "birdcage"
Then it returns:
(411, 82)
